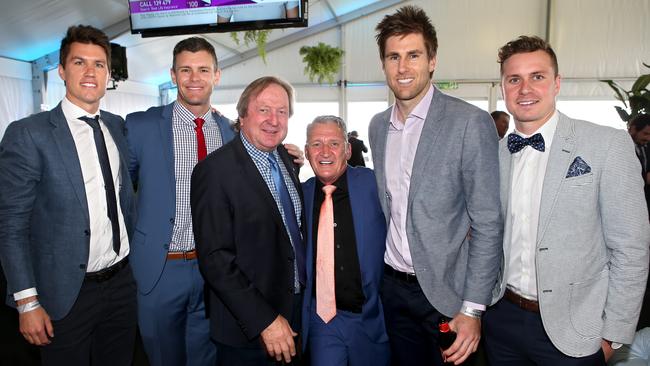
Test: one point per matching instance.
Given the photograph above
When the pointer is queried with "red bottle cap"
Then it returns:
(444, 327)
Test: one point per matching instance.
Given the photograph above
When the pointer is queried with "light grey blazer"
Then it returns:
(592, 238)
(453, 222)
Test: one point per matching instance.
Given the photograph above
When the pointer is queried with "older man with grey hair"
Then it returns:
(346, 233)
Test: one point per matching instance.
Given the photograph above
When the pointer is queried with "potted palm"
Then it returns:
(636, 99)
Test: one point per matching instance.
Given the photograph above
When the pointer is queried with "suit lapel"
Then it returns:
(562, 151)
(69, 156)
(167, 143)
(253, 176)
(380, 162)
(430, 132)
(309, 191)
(356, 195)
(505, 167)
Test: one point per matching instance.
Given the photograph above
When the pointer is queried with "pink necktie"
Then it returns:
(202, 151)
(325, 295)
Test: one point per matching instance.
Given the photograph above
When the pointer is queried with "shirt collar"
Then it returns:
(341, 183)
(420, 111)
(188, 117)
(257, 154)
(72, 112)
(547, 130)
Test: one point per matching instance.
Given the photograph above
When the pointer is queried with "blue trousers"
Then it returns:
(516, 337)
(343, 342)
(172, 318)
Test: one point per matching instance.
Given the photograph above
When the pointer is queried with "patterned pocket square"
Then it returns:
(578, 167)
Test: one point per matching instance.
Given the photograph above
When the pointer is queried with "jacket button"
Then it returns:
(166, 246)
(87, 232)
(82, 266)
(171, 221)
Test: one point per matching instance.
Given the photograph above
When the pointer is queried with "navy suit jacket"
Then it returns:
(151, 164)
(244, 251)
(45, 230)
(370, 235)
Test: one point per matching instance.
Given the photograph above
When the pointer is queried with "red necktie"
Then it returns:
(202, 151)
(325, 292)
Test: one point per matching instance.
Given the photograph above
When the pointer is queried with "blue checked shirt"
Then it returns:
(260, 158)
(185, 158)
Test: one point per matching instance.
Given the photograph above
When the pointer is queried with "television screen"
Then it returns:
(153, 18)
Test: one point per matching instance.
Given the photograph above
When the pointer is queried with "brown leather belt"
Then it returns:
(189, 255)
(529, 305)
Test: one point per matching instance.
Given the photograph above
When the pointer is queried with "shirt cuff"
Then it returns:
(25, 294)
(474, 305)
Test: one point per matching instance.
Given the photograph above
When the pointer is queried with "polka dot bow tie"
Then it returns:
(516, 142)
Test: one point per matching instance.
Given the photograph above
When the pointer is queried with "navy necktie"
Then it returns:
(109, 187)
(290, 217)
(516, 142)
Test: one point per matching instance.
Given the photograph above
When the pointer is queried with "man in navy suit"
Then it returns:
(66, 206)
(164, 145)
(352, 330)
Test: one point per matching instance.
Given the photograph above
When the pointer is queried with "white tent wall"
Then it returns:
(16, 97)
(594, 39)
(127, 98)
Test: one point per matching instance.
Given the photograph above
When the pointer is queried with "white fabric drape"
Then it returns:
(15, 100)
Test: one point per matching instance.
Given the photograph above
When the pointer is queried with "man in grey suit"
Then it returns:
(67, 210)
(437, 174)
(576, 226)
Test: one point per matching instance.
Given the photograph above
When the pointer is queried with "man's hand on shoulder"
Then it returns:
(278, 340)
(35, 325)
(297, 154)
(468, 335)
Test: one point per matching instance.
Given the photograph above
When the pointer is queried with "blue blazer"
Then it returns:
(45, 230)
(151, 164)
(370, 234)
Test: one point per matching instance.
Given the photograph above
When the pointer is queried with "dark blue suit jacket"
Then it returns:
(370, 235)
(151, 164)
(45, 229)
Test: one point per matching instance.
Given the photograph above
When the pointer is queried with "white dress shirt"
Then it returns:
(101, 254)
(528, 171)
(401, 145)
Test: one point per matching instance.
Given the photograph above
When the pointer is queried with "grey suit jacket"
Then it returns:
(453, 223)
(45, 230)
(592, 238)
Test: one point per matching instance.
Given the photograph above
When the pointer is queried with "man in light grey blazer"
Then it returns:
(576, 226)
(436, 164)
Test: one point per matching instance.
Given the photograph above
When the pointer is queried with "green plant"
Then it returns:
(638, 97)
(258, 37)
(322, 61)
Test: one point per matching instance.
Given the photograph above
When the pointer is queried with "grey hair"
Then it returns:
(338, 121)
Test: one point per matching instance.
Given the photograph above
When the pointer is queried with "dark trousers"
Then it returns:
(514, 336)
(255, 354)
(411, 323)
(100, 327)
